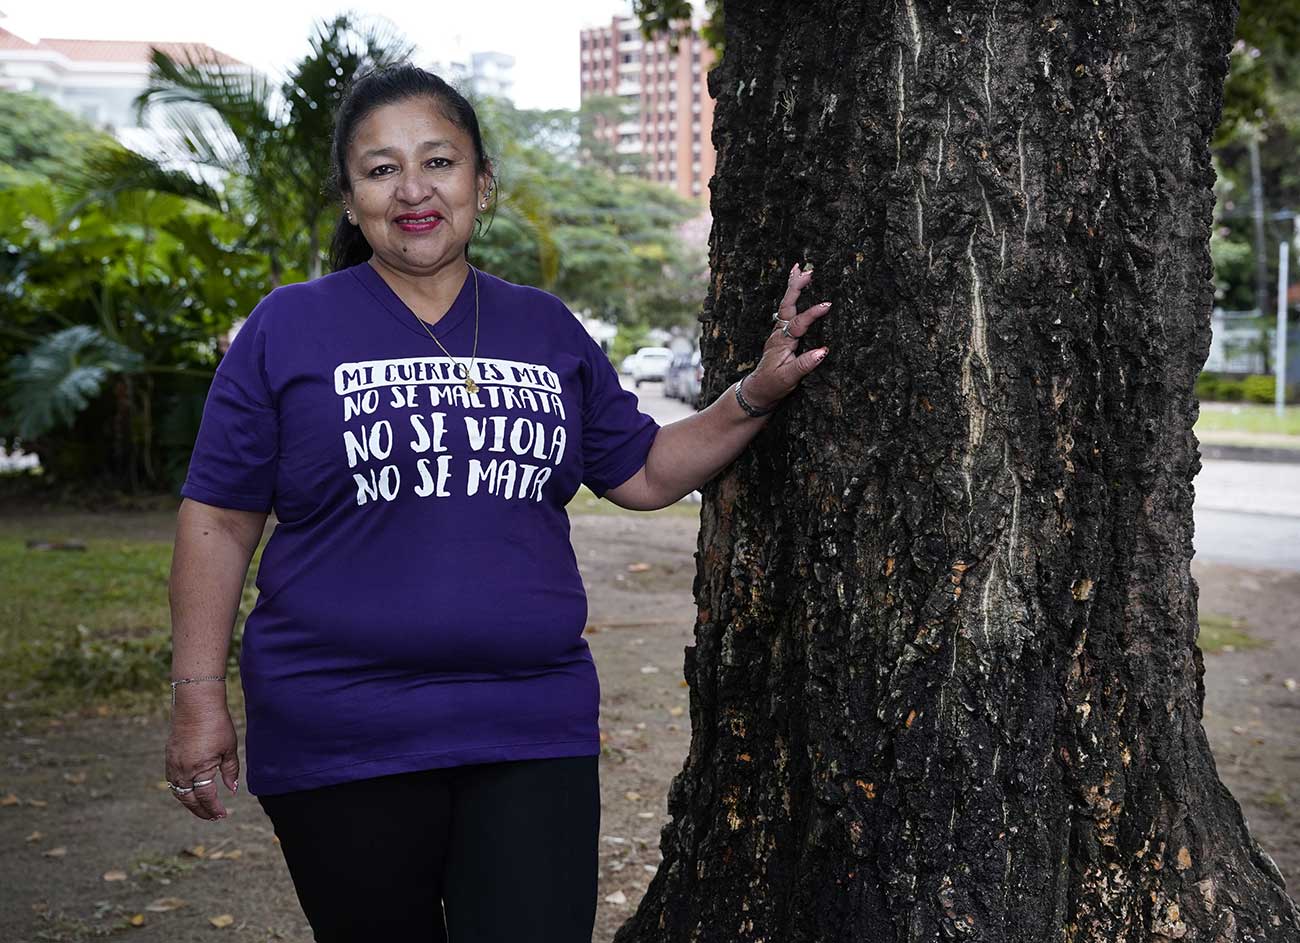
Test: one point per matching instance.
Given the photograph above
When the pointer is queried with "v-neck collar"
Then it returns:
(389, 300)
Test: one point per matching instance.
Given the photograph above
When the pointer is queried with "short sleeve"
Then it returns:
(236, 453)
(616, 435)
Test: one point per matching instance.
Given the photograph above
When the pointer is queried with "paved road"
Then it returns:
(1247, 513)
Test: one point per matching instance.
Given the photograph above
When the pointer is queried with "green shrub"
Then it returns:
(1207, 386)
(1259, 389)
(1213, 386)
(1256, 388)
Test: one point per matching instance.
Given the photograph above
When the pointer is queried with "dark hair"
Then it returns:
(368, 92)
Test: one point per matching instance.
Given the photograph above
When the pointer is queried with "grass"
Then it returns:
(84, 629)
(1224, 634)
(1248, 419)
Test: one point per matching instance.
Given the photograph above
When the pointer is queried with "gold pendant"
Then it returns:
(471, 386)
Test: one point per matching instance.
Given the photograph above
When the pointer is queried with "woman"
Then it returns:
(422, 707)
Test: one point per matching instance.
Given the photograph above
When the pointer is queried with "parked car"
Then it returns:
(694, 381)
(675, 380)
(625, 365)
(650, 363)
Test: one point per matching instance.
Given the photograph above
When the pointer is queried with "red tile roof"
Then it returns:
(9, 41)
(112, 50)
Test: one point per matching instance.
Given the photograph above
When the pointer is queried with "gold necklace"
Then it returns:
(469, 373)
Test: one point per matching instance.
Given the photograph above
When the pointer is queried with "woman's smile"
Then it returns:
(418, 222)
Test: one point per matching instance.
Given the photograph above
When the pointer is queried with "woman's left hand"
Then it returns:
(780, 369)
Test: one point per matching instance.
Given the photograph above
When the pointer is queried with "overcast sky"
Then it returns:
(270, 34)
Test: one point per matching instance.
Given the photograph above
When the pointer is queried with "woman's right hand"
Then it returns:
(202, 748)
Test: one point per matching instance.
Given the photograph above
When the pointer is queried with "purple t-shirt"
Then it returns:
(419, 601)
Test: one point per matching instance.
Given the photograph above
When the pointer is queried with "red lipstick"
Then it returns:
(419, 222)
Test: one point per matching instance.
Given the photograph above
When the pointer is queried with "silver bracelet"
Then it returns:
(193, 681)
(746, 405)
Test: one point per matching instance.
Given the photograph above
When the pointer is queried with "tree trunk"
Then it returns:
(945, 682)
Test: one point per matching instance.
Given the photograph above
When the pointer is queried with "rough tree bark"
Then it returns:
(945, 683)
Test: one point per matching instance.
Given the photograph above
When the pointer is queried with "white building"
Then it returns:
(481, 74)
(98, 80)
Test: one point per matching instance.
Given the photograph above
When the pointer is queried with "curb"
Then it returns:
(1249, 453)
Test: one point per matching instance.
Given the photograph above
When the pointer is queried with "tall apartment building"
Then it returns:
(669, 115)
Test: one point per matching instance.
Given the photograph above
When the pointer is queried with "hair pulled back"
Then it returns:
(373, 90)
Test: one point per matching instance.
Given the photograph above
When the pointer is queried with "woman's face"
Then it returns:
(414, 187)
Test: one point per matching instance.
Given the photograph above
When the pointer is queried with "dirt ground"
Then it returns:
(91, 841)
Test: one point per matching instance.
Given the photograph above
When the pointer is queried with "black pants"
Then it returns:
(501, 851)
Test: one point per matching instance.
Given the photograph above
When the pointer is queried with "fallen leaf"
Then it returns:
(234, 855)
(683, 683)
(10, 799)
(35, 836)
(56, 852)
(618, 897)
(137, 920)
(637, 567)
(76, 779)
(216, 856)
(164, 904)
(632, 796)
(37, 803)
(677, 711)
(222, 921)
(198, 851)
(114, 875)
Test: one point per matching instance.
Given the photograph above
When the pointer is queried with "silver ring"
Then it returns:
(203, 782)
(179, 790)
(785, 327)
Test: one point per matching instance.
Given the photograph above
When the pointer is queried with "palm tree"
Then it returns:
(269, 145)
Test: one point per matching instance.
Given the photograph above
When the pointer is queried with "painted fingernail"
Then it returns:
(821, 355)
(825, 304)
(236, 789)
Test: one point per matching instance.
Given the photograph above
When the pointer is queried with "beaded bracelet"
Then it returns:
(746, 405)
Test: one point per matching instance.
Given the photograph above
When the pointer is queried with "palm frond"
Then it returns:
(243, 99)
(54, 381)
(527, 208)
(112, 171)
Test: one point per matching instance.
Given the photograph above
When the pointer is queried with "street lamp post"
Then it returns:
(1283, 262)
